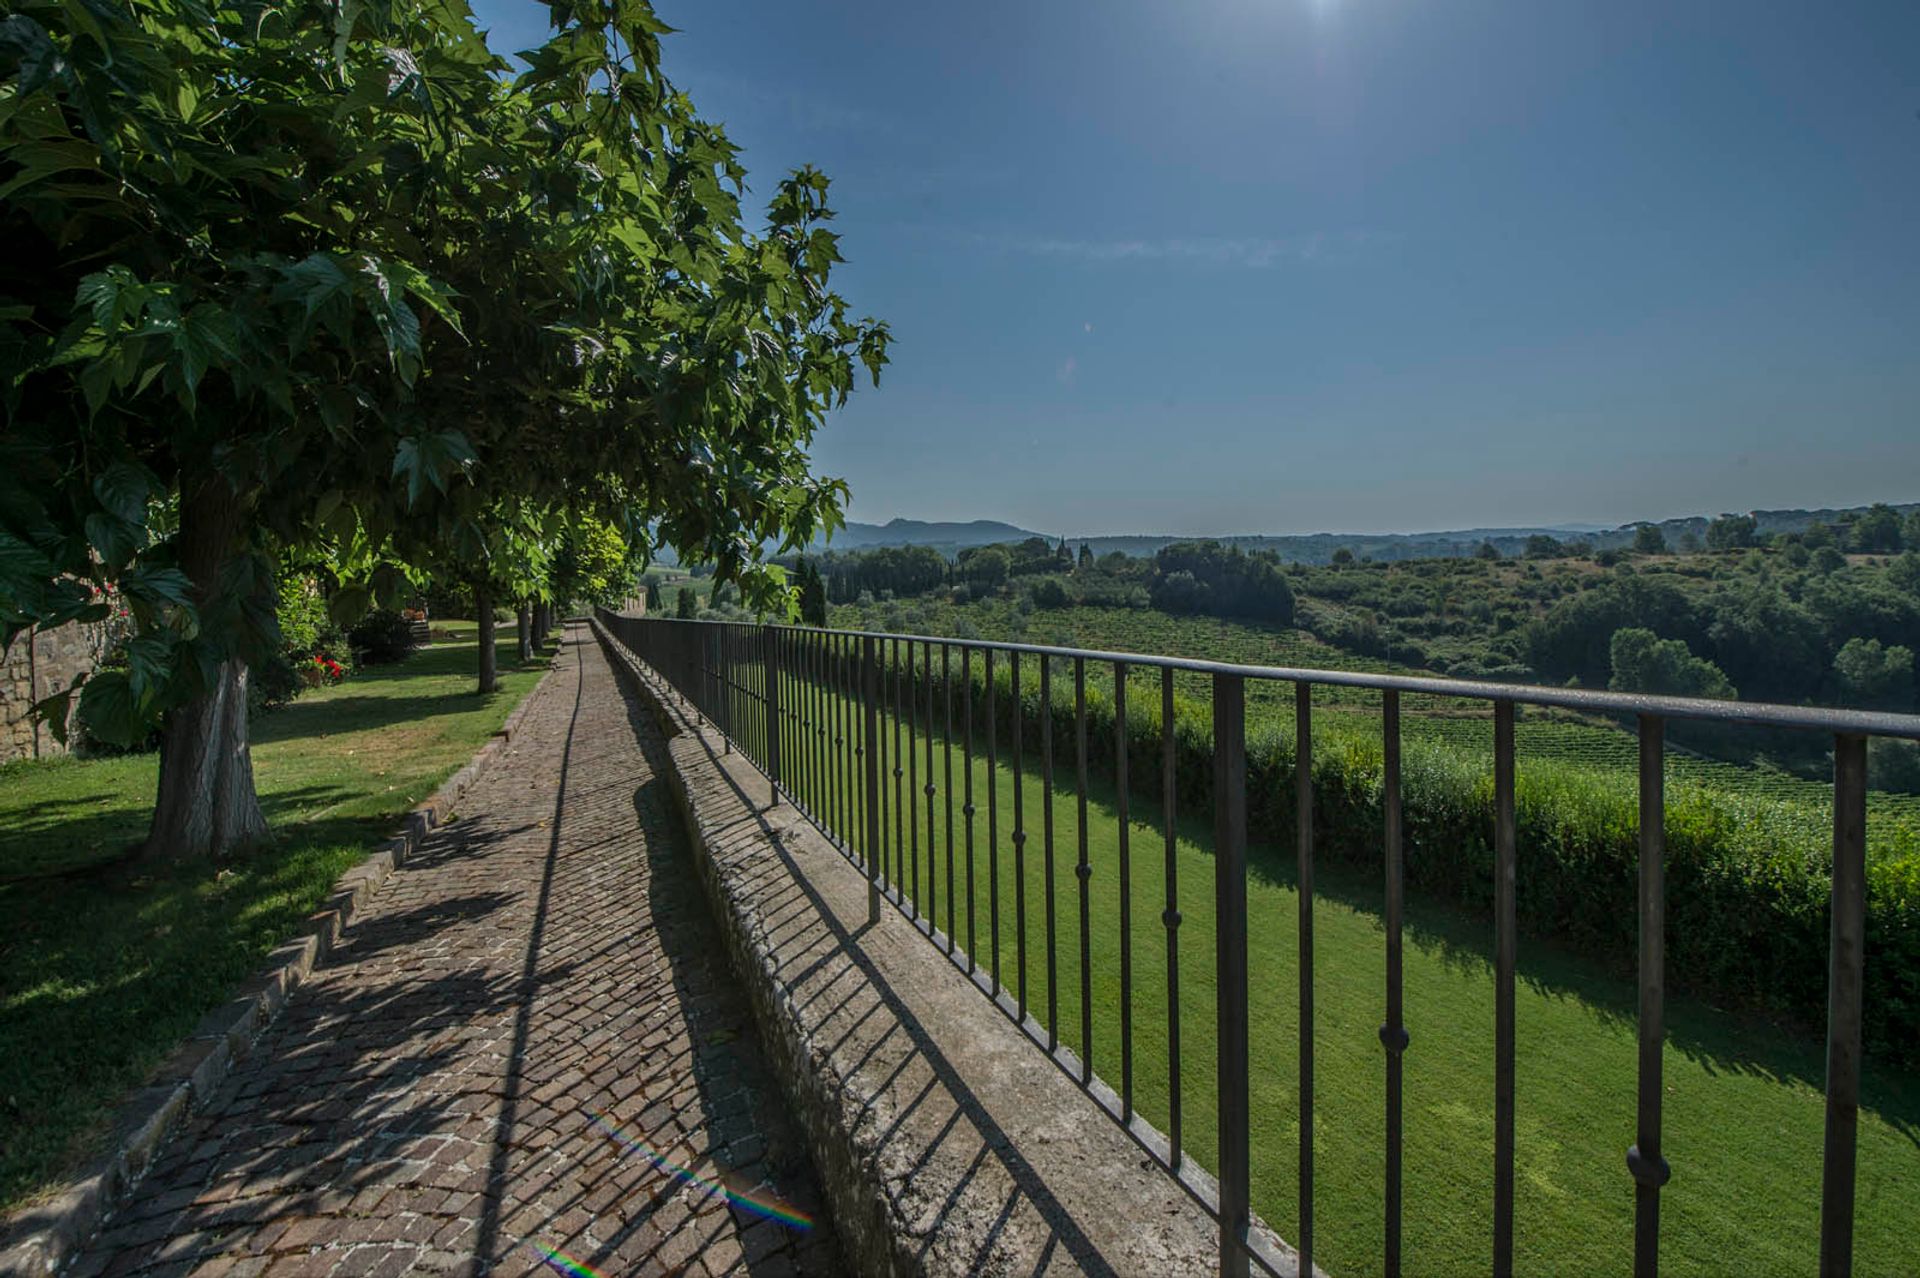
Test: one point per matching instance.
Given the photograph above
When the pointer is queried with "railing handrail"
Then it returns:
(1830, 719)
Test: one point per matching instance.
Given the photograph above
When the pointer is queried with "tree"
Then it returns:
(1050, 592)
(1225, 581)
(813, 595)
(302, 342)
(654, 605)
(1643, 662)
(1649, 540)
(1486, 550)
(686, 603)
(1771, 647)
(1827, 560)
(1086, 558)
(1574, 638)
(1873, 676)
(1877, 532)
(986, 568)
(1341, 557)
(1904, 572)
(1730, 532)
(592, 563)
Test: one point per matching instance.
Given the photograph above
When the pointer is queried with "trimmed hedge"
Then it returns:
(1747, 879)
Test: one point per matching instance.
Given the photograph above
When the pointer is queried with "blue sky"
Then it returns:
(1382, 265)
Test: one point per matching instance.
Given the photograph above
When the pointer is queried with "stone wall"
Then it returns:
(34, 668)
(948, 1142)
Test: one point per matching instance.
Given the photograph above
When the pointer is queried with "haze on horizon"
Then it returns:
(1349, 265)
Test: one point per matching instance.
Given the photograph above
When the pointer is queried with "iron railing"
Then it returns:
(831, 717)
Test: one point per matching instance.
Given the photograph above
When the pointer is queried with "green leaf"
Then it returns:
(107, 709)
(431, 459)
(149, 666)
(123, 488)
(204, 335)
(158, 586)
(22, 568)
(114, 539)
(109, 296)
(316, 282)
(96, 383)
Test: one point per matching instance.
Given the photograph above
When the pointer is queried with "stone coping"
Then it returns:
(946, 1141)
(39, 1239)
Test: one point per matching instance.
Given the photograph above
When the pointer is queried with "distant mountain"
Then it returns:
(944, 537)
(1318, 548)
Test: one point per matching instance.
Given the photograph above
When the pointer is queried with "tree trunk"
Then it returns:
(524, 617)
(546, 624)
(489, 670)
(206, 805)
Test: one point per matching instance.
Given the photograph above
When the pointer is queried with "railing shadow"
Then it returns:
(670, 1179)
(970, 1131)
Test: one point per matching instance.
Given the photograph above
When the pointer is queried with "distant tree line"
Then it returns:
(1774, 617)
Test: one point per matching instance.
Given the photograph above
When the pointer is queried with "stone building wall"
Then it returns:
(36, 668)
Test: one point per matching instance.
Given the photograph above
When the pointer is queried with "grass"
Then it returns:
(1743, 1104)
(106, 963)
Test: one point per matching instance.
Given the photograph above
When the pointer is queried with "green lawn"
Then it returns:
(1744, 1110)
(105, 963)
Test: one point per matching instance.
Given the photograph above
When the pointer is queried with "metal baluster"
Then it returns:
(946, 742)
(913, 783)
(1230, 908)
(1046, 821)
(826, 769)
(933, 895)
(1170, 917)
(1083, 870)
(993, 819)
(856, 772)
(853, 769)
(1648, 1168)
(1393, 1034)
(1505, 876)
(1846, 955)
(837, 747)
(870, 667)
(816, 719)
(967, 810)
(899, 832)
(1019, 838)
(1303, 814)
(799, 660)
(770, 680)
(1126, 887)
(831, 746)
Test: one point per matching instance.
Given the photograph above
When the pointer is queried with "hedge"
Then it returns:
(1747, 878)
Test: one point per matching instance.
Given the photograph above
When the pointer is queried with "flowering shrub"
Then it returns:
(308, 641)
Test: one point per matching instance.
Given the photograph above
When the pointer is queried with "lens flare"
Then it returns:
(761, 1205)
(561, 1262)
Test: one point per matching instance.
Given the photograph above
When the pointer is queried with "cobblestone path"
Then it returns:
(526, 1056)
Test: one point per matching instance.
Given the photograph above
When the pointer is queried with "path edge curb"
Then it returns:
(39, 1240)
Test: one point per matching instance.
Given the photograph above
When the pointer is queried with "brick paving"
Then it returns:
(503, 1065)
